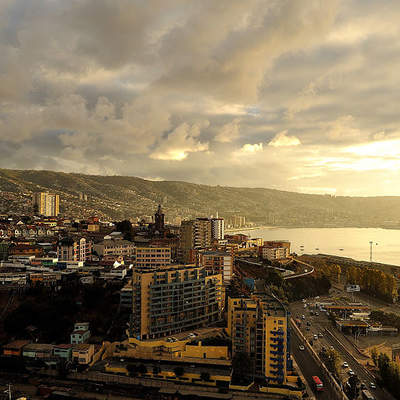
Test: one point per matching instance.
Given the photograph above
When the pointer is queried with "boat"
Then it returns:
(316, 248)
(341, 249)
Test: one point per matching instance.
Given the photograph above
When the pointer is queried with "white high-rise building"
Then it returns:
(47, 204)
(217, 228)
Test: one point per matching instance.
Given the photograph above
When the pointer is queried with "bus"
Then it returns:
(318, 383)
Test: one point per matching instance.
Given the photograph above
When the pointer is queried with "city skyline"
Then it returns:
(287, 95)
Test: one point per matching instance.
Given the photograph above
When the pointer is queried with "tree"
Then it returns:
(205, 376)
(132, 369)
(179, 371)
(374, 355)
(156, 369)
(352, 391)
(242, 366)
(142, 369)
(125, 227)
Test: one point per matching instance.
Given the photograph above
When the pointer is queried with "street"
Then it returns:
(320, 324)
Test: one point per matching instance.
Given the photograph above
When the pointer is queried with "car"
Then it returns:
(331, 348)
(191, 335)
(301, 347)
(320, 334)
(372, 385)
(350, 372)
(345, 365)
(169, 340)
(311, 312)
(316, 313)
(305, 305)
(315, 337)
(303, 317)
(307, 328)
(308, 323)
(311, 342)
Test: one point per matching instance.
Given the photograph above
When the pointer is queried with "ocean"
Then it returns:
(345, 242)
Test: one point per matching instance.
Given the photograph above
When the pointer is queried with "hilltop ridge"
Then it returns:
(119, 197)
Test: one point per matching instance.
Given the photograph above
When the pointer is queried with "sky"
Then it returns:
(287, 94)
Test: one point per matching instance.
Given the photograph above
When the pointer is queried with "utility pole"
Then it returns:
(370, 249)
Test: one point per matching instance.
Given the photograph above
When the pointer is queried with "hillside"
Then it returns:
(118, 197)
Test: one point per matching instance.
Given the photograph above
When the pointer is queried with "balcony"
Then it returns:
(278, 332)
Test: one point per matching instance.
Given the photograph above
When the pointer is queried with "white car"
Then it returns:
(372, 385)
(345, 365)
(315, 337)
(191, 335)
(301, 347)
(350, 372)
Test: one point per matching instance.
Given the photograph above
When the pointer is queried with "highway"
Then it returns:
(320, 324)
(310, 368)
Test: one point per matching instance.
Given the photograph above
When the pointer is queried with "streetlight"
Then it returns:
(370, 249)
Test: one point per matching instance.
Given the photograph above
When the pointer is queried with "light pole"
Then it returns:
(370, 249)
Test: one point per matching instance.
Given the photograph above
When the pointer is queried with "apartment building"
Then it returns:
(115, 247)
(217, 228)
(69, 249)
(258, 326)
(217, 262)
(174, 299)
(194, 234)
(153, 257)
(47, 204)
(275, 250)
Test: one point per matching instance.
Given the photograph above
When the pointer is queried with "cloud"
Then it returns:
(281, 139)
(228, 132)
(179, 143)
(251, 148)
(131, 87)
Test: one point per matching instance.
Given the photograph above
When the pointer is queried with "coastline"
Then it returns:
(239, 230)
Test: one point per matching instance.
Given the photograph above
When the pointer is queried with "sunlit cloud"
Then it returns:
(251, 148)
(282, 139)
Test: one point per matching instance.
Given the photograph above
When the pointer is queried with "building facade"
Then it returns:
(115, 247)
(153, 257)
(193, 235)
(47, 204)
(259, 327)
(173, 300)
(217, 228)
(217, 262)
(69, 249)
(275, 250)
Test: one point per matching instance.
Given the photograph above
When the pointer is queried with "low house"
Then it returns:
(15, 348)
(83, 353)
(39, 351)
(81, 333)
(63, 351)
(79, 337)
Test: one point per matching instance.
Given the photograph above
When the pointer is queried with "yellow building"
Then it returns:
(203, 374)
(174, 299)
(46, 204)
(193, 235)
(83, 353)
(152, 257)
(259, 327)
